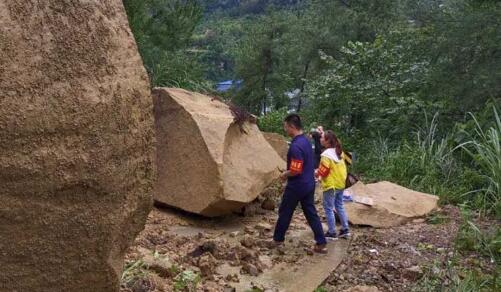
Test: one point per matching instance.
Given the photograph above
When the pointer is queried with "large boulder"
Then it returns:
(278, 142)
(393, 205)
(76, 144)
(206, 163)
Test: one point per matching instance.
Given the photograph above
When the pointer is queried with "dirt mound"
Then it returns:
(206, 164)
(278, 142)
(76, 144)
(393, 204)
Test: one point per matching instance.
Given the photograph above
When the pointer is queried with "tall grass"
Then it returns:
(434, 163)
(484, 148)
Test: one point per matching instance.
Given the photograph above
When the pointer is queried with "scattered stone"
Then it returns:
(419, 220)
(360, 288)
(208, 246)
(264, 226)
(266, 261)
(232, 278)
(156, 262)
(248, 230)
(234, 234)
(250, 269)
(268, 204)
(248, 241)
(207, 264)
(413, 273)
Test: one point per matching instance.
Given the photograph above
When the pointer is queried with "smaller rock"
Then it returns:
(156, 262)
(233, 278)
(268, 204)
(207, 264)
(248, 230)
(250, 269)
(234, 234)
(266, 261)
(360, 288)
(264, 226)
(419, 220)
(413, 273)
(206, 247)
(248, 241)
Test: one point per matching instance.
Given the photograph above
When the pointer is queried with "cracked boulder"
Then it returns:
(208, 164)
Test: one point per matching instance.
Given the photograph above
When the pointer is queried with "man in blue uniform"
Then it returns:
(300, 185)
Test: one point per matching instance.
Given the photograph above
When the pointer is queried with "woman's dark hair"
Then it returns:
(294, 120)
(334, 142)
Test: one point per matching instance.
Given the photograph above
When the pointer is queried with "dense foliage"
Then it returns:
(396, 79)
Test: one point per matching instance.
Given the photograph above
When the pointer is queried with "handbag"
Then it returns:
(351, 180)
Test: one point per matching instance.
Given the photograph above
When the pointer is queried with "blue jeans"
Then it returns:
(334, 199)
(290, 200)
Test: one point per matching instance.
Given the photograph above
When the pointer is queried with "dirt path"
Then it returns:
(232, 254)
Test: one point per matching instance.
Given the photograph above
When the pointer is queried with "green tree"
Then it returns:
(164, 32)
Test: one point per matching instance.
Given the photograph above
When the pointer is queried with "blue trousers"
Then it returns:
(334, 199)
(290, 200)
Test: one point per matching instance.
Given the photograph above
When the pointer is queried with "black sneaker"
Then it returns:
(331, 236)
(345, 233)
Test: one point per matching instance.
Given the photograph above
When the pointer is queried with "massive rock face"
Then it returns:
(76, 144)
(206, 165)
(278, 142)
(393, 204)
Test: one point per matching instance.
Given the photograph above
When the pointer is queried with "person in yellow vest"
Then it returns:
(332, 174)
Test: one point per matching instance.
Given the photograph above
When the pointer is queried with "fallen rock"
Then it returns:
(278, 142)
(156, 262)
(206, 247)
(413, 273)
(264, 226)
(361, 288)
(248, 241)
(393, 205)
(265, 261)
(206, 163)
(207, 264)
(250, 269)
(76, 144)
(268, 204)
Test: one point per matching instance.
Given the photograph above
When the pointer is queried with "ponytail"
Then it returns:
(334, 142)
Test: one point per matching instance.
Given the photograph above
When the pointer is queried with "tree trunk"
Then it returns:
(303, 83)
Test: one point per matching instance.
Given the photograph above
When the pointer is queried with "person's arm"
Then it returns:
(296, 164)
(324, 169)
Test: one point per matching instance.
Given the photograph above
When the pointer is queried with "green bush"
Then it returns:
(273, 122)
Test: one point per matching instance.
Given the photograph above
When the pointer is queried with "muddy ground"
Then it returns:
(233, 254)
